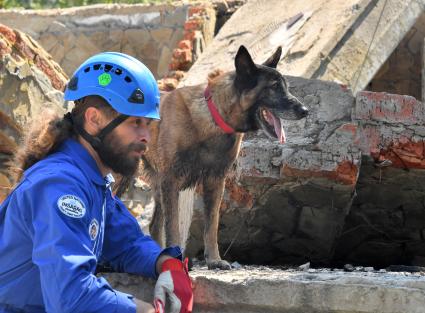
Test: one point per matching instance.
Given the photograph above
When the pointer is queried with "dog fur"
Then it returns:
(187, 148)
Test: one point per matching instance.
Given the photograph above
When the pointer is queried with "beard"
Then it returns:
(118, 157)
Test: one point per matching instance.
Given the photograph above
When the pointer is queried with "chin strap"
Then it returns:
(96, 141)
(218, 119)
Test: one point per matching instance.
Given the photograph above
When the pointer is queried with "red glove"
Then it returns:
(175, 282)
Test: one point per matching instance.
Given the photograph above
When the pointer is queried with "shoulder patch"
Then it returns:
(71, 206)
(93, 229)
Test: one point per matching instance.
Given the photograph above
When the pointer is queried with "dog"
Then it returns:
(199, 135)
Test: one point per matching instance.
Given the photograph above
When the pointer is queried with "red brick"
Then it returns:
(403, 154)
(185, 44)
(196, 11)
(239, 194)
(189, 36)
(407, 110)
(345, 173)
(195, 24)
(8, 33)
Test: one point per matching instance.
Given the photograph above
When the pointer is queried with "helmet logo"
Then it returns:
(104, 79)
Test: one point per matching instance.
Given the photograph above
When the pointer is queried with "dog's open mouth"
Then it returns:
(271, 125)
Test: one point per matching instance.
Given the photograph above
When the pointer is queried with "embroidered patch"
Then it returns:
(71, 206)
(93, 229)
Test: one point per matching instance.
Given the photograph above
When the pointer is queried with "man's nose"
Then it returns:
(145, 136)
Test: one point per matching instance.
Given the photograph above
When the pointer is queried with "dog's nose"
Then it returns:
(302, 111)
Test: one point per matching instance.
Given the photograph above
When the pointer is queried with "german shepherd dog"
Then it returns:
(199, 135)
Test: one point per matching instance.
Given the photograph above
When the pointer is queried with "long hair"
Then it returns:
(49, 130)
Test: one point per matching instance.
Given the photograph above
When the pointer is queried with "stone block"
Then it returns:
(162, 35)
(175, 38)
(175, 18)
(150, 50)
(129, 49)
(164, 61)
(48, 41)
(137, 37)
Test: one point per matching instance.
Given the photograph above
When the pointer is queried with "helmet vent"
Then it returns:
(137, 96)
(118, 71)
(96, 67)
(108, 67)
(87, 69)
(73, 83)
(127, 79)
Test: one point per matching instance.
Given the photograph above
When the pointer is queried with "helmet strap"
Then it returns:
(96, 141)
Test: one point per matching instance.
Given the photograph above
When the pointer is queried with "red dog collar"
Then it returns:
(215, 114)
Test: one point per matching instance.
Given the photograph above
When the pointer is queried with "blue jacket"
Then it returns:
(56, 226)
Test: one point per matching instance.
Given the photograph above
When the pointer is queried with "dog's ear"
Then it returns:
(246, 70)
(274, 59)
(245, 67)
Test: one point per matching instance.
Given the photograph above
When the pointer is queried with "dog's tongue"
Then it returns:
(278, 128)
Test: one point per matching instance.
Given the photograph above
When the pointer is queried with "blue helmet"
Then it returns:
(123, 81)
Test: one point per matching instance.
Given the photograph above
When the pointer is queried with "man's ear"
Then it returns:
(93, 120)
(273, 60)
(244, 64)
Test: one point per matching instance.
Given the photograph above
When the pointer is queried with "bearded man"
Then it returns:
(62, 220)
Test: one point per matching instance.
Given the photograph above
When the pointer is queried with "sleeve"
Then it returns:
(62, 249)
(126, 248)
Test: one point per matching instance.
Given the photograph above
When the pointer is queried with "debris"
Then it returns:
(304, 267)
(383, 163)
(348, 268)
(236, 265)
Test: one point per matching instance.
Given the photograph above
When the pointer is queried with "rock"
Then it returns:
(30, 81)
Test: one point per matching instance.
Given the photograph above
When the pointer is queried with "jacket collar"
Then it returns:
(83, 160)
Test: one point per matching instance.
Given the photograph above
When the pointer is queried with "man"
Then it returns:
(62, 219)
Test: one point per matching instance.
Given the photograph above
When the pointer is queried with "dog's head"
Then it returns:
(264, 95)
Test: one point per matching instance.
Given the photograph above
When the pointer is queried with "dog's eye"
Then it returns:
(275, 84)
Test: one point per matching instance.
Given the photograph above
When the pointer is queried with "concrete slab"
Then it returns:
(323, 39)
(261, 289)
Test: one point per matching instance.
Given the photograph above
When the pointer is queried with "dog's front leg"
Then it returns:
(170, 207)
(213, 193)
(156, 228)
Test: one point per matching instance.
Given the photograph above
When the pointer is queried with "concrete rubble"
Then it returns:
(345, 188)
(262, 289)
(315, 46)
(30, 81)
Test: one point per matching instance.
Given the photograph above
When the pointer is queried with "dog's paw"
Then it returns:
(218, 264)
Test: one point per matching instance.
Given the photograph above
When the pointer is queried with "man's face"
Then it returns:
(124, 146)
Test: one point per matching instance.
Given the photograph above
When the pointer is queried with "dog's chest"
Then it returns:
(209, 158)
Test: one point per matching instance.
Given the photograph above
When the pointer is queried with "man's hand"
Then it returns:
(143, 307)
(175, 282)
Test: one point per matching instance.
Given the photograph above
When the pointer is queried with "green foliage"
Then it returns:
(46, 4)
